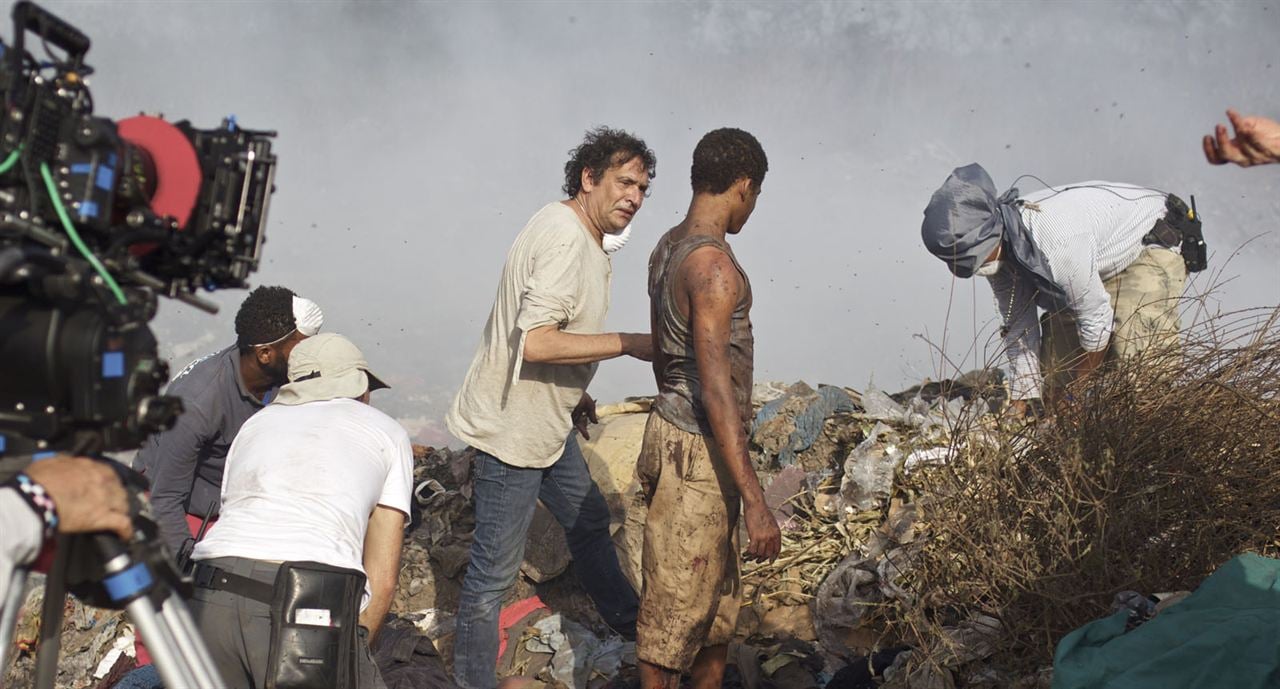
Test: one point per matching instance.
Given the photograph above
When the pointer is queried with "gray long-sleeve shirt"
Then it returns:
(184, 463)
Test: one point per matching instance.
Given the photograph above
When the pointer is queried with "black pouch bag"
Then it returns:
(314, 619)
(1187, 223)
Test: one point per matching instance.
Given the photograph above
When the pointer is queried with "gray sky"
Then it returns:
(416, 139)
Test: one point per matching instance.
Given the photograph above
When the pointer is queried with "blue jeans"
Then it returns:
(505, 499)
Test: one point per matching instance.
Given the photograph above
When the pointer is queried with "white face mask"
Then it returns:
(611, 242)
(988, 269)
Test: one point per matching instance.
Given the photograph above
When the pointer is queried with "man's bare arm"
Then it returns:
(1090, 362)
(551, 345)
(1081, 371)
(381, 564)
(711, 283)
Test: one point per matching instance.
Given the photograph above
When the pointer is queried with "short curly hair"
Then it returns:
(601, 149)
(725, 156)
(266, 315)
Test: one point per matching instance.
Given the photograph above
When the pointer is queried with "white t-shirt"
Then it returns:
(302, 480)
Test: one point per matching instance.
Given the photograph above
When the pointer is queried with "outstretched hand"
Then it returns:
(1256, 142)
(87, 494)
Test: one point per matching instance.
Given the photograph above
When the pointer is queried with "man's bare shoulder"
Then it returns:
(709, 275)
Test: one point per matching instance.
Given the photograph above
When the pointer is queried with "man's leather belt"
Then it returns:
(210, 577)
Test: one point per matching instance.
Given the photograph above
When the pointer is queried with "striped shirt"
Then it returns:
(1088, 233)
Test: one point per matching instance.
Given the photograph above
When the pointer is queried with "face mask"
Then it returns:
(988, 269)
(614, 241)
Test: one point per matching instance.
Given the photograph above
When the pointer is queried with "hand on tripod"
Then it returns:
(87, 494)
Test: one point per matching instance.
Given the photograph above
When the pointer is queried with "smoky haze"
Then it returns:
(416, 140)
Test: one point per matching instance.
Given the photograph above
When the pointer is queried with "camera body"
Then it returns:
(98, 218)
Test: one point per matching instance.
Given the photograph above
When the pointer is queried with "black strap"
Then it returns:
(210, 577)
(1163, 234)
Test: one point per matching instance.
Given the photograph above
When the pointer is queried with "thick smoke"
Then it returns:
(416, 139)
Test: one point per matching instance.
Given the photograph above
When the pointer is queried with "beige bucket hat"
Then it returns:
(327, 366)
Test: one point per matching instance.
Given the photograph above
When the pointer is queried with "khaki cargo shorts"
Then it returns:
(1145, 297)
(692, 585)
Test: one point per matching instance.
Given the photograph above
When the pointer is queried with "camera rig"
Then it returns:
(97, 219)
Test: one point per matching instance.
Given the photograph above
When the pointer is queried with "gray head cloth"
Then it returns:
(965, 221)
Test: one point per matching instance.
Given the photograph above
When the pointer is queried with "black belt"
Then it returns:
(1163, 234)
(217, 579)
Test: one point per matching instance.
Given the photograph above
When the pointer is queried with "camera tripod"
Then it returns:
(154, 607)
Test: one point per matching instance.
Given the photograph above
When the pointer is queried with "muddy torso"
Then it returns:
(679, 398)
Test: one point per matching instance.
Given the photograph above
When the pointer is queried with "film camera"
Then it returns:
(97, 219)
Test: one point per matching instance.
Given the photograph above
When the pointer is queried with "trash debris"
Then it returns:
(515, 617)
(788, 622)
(865, 579)
(578, 656)
(987, 384)
(122, 646)
(869, 469)
(90, 639)
(933, 667)
(790, 429)
(782, 488)
(865, 672)
(932, 421)
(789, 664)
(407, 658)
(842, 472)
(433, 622)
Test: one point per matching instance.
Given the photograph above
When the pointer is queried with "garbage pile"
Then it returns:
(97, 644)
(830, 460)
(1147, 477)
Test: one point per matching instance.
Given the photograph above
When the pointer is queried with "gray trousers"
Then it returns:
(237, 630)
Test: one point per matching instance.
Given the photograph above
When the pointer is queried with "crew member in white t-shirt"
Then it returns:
(316, 476)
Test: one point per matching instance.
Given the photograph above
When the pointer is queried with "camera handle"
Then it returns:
(28, 16)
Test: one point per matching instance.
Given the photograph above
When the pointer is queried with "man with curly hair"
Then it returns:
(526, 392)
(694, 468)
(219, 392)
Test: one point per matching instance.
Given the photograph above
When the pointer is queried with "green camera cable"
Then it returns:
(75, 236)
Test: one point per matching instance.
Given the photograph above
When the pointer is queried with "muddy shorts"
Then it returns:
(692, 585)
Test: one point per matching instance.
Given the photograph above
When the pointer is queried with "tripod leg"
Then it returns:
(55, 597)
(162, 645)
(179, 653)
(12, 601)
(187, 635)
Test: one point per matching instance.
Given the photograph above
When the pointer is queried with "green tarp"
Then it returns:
(1225, 635)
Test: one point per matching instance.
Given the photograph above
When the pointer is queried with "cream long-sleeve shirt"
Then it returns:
(517, 411)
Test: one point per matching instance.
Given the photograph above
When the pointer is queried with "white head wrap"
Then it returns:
(307, 316)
